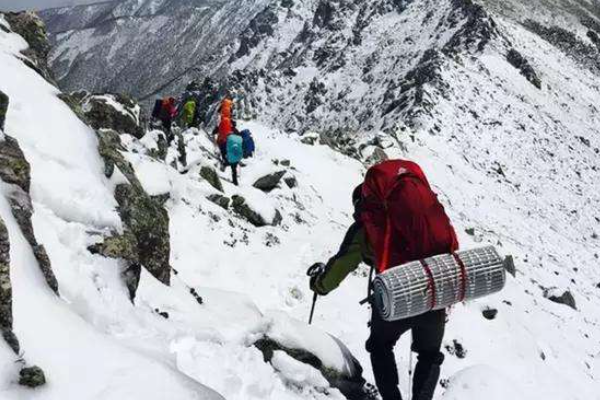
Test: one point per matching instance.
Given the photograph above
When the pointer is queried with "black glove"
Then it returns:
(316, 272)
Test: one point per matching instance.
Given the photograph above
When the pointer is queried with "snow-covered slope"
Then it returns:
(515, 165)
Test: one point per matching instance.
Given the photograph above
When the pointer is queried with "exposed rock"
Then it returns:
(146, 240)
(565, 298)
(509, 265)
(291, 181)
(490, 313)
(210, 175)
(258, 30)
(379, 155)
(456, 349)
(196, 296)
(269, 182)
(74, 100)
(310, 139)
(110, 148)
(181, 151)
(519, 62)
(149, 223)
(315, 96)
(278, 219)
(131, 276)
(3, 109)
(32, 377)
(123, 246)
(569, 43)
(117, 112)
(11, 339)
(14, 169)
(241, 207)
(243, 210)
(39, 251)
(594, 37)
(475, 33)
(162, 199)
(410, 93)
(352, 387)
(30, 27)
(220, 200)
(6, 319)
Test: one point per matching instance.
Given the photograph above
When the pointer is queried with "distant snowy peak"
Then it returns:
(327, 65)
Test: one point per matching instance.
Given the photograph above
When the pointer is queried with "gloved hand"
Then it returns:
(316, 272)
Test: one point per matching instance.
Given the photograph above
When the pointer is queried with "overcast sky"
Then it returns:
(11, 5)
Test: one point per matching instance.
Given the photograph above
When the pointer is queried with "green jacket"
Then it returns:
(354, 250)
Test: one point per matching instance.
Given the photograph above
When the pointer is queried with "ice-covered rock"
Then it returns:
(311, 346)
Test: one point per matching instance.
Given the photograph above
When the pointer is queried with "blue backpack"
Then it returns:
(248, 140)
(235, 149)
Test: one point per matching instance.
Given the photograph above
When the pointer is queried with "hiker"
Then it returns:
(168, 112)
(228, 147)
(248, 143)
(398, 219)
(226, 107)
(188, 113)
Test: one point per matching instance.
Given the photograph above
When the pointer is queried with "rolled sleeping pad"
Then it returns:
(438, 282)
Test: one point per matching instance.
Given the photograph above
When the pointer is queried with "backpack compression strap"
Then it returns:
(431, 283)
(463, 276)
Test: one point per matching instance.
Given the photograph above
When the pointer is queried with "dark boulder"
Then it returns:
(269, 182)
(241, 208)
(566, 298)
(291, 182)
(220, 200)
(149, 223)
(14, 168)
(32, 377)
(490, 313)
(210, 175)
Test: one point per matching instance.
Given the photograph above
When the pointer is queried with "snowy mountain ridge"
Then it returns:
(514, 164)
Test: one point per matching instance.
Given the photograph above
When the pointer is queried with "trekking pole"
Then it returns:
(313, 272)
(312, 309)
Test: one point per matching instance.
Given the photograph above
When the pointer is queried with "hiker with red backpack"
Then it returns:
(398, 219)
(168, 111)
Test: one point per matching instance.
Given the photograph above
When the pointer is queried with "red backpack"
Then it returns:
(402, 216)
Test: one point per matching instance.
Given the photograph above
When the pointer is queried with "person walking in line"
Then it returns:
(167, 113)
(398, 219)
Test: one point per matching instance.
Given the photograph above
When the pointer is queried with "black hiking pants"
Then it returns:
(234, 167)
(167, 126)
(428, 333)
